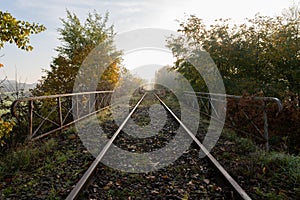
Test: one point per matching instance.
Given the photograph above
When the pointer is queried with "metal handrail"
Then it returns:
(278, 102)
(61, 120)
(14, 104)
(213, 96)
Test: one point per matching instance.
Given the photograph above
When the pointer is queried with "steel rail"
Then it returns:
(83, 182)
(233, 183)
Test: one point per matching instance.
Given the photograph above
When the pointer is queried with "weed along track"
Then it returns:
(187, 177)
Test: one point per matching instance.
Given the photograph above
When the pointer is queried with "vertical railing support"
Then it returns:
(77, 107)
(60, 120)
(89, 103)
(30, 118)
(266, 132)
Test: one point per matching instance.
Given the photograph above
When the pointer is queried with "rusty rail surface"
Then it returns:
(48, 114)
(207, 100)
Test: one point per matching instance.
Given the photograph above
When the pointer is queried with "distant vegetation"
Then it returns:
(11, 86)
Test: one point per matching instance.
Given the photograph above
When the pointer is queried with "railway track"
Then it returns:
(210, 172)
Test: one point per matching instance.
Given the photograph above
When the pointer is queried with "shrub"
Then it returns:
(283, 126)
(5, 128)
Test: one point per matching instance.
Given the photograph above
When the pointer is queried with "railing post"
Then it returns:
(266, 132)
(89, 103)
(59, 112)
(30, 118)
(77, 108)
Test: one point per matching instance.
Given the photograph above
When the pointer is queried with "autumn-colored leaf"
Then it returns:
(264, 170)
(17, 31)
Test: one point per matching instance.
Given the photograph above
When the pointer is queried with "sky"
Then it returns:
(125, 15)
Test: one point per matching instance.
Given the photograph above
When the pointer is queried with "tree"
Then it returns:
(288, 50)
(78, 41)
(17, 31)
(259, 56)
(197, 39)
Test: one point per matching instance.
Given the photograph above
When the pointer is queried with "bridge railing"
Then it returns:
(44, 115)
(208, 104)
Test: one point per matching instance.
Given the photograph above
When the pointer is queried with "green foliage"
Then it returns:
(281, 169)
(40, 170)
(24, 157)
(271, 175)
(17, 31)
(12, 129)
(284, 128)
(259, 56)
(78, 41)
